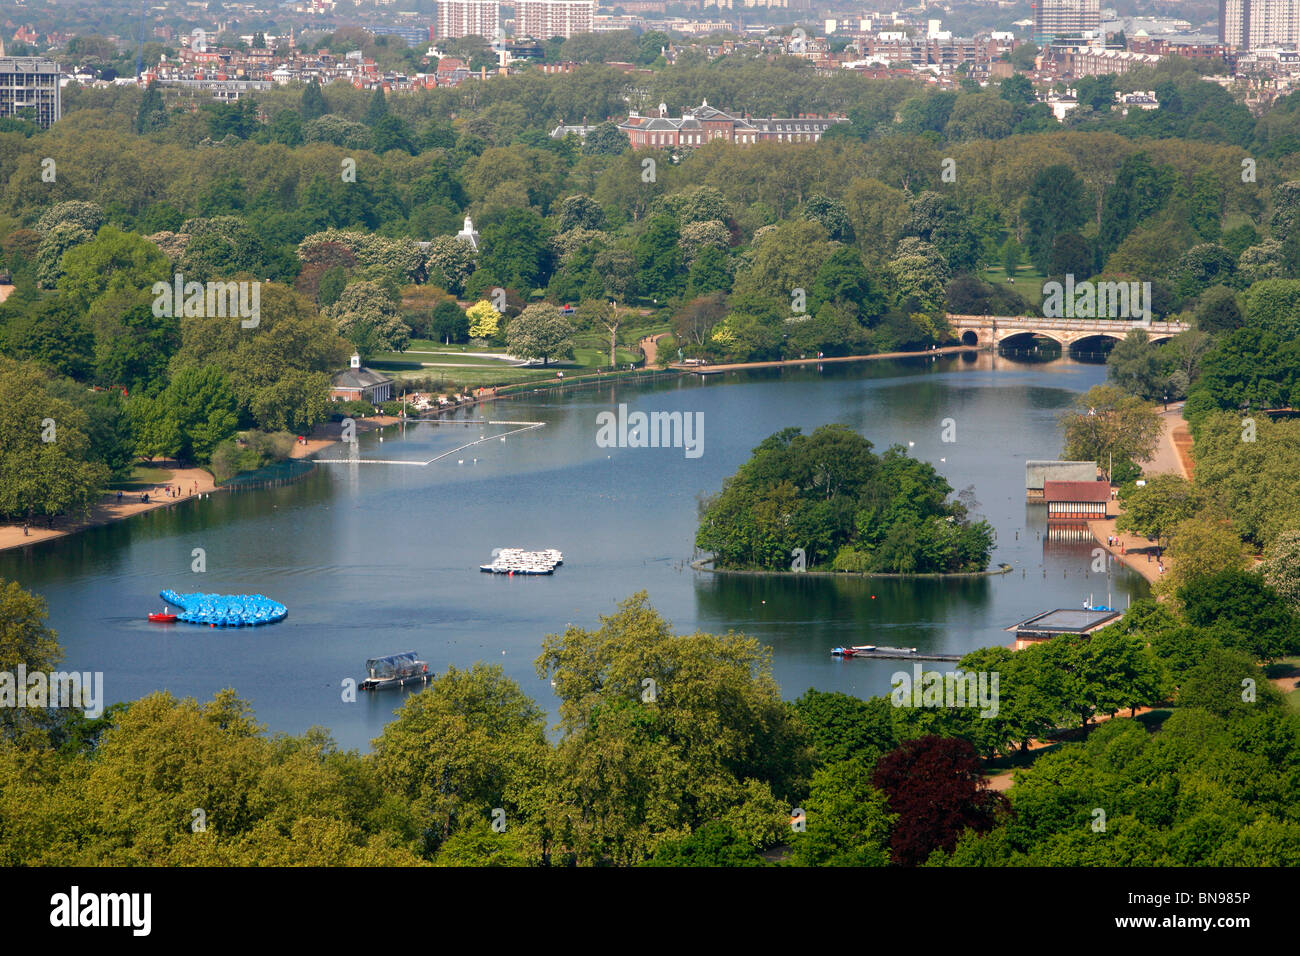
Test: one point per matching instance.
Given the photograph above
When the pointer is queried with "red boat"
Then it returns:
(163, 617)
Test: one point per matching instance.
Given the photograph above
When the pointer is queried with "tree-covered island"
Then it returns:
(845, 507)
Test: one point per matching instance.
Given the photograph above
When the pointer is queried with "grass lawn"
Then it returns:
(492, 372)
(142, 477)
(1028, 284)
(412, 358)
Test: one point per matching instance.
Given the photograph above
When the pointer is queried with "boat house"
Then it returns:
(1038, 472)
(1050, 624)
(360, 384)
(1075, 500)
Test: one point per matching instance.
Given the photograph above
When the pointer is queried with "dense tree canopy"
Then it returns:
(844, 507)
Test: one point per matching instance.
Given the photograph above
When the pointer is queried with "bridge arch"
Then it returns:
(1027, 339)
(970, 337)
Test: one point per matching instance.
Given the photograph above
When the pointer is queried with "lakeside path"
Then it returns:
(193, 482)
(1172, 457)
(945, 350)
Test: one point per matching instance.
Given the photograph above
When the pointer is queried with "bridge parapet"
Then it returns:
(1064, 325)
(989, 331)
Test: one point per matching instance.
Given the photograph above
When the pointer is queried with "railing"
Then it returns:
(280, 473)
(1063, 325)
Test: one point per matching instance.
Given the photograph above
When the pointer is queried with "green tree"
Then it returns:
(844, 727)
(710, 723)
(540, 331)
(313, 102)
(710, 272)
(1134, 364)
(659, 259)
(714, 844)
(368, 317)
(470, 743)
(848, 820)
(1199, 546)
(449, 322)
(45, 457)
(1107, 425)
(1054, 205)
(114, 261)
(202, 404)
(376, 109)
(1155, 509)
(1217, 310)
(1011, 254)
(516, 249)
(606, 139)
(1244, 612)
(134, 350)
(449, 262)
(1281, 567)
(152, 114)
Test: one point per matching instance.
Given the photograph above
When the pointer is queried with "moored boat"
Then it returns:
(396, 670)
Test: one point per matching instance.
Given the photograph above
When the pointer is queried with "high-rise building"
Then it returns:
(468, 18)
(29, 82)
(543, 19)
(1065, 18)
(1250, 24)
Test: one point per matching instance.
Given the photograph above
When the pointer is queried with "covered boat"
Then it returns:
(396, 670)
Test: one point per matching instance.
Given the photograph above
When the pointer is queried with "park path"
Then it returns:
(1172, 457)
(650, 347)
(1173, 452)
(192, 481)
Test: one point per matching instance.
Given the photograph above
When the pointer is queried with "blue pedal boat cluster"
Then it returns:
(226, 610)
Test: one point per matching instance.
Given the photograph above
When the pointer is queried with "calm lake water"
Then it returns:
(376, 559)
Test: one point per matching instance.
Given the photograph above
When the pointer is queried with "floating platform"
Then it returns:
(226, 610)
(891, 653)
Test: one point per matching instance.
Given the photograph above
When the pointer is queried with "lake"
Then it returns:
(375, 559)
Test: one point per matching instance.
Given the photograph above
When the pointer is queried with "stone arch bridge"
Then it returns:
(991, 331)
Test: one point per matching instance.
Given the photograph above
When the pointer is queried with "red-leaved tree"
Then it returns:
(934, 785)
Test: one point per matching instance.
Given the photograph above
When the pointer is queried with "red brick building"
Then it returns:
(1076, 500)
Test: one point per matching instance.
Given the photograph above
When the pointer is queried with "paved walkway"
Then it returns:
(650, 346)
(1172, 457)
(192, 481)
